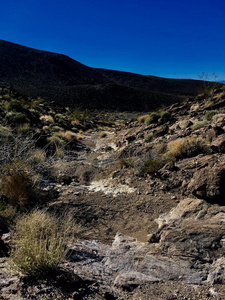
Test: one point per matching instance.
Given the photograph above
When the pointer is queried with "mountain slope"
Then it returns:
(62, 79)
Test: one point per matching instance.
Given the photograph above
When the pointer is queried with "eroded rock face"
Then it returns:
(219, 143)
(209, 184)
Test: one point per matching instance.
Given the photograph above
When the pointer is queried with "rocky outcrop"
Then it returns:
(219, 144)
(209, 183)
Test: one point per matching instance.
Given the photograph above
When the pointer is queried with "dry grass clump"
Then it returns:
(209, 115)
(5, 133)
(217, 117)
(47, 119)
(69, 136)
(56, 139)
(186, 147)
(149, 137)
(142, 119)
(37, 156)
(24, 128)
(39, 242)
(17, 186)
(199, 124)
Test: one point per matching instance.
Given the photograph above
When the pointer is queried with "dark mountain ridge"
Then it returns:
(59, 78)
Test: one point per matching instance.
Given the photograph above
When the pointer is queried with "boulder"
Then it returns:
(219, 144)
(209, 184)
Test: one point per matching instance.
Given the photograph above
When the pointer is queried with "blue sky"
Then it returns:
(167, 38)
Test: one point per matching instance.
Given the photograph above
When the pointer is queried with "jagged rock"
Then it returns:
(209, 183)
(217, 130)
(193, 228)
(217, 273)
(129, 280)
(219, 144)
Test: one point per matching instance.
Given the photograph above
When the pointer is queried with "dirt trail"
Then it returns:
(106, 199)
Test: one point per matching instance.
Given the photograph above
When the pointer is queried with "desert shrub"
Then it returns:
(186, 147)
(79, 115)
(142, 119)
(149, 137)
(56, 139)
(125, 162)
(217, 116)
(24, 128)
(35, 102)
(16, 147)
(5, 133)
(15, 105)
(18, 186)
(40, 242)
(16, 118)
(198, 124)
(165, 116)
(153, 118)
(47, 119)
(152, 166)
(70, 136)
(209, 115)
(37, 156)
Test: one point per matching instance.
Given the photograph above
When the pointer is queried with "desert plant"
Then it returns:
(39, 242)
(5, 133)
(142, 119)
(47, 119)
(16, 118)
(218, 116)
(15, 105)
(70, 136)
(209, 115)
(149, 137)
(165, 116)
(153, 118)
(37, 156)
(18, 186)
(186, 147)
(198, 124)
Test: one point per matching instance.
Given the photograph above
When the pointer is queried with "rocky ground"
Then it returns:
(150, 231)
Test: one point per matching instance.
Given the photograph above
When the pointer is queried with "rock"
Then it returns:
(129, 280)
(209, 184)
(217, 273)
(217, 130)
(219, 144)
(195, 107)
(193, 228)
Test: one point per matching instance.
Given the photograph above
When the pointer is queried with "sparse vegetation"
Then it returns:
(198, 124)
(153, 118)
(209, 115)
(186, 147)
(40, 242)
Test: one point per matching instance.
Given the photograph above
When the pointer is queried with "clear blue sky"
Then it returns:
(168, 38)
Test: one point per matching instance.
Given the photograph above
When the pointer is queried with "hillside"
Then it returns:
(59, 78)
(143, 195)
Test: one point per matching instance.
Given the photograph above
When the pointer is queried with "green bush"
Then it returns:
(198, 124)
(165, 116)
(17, 118)
(15, 105)
(209, 115)
(153, 118)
